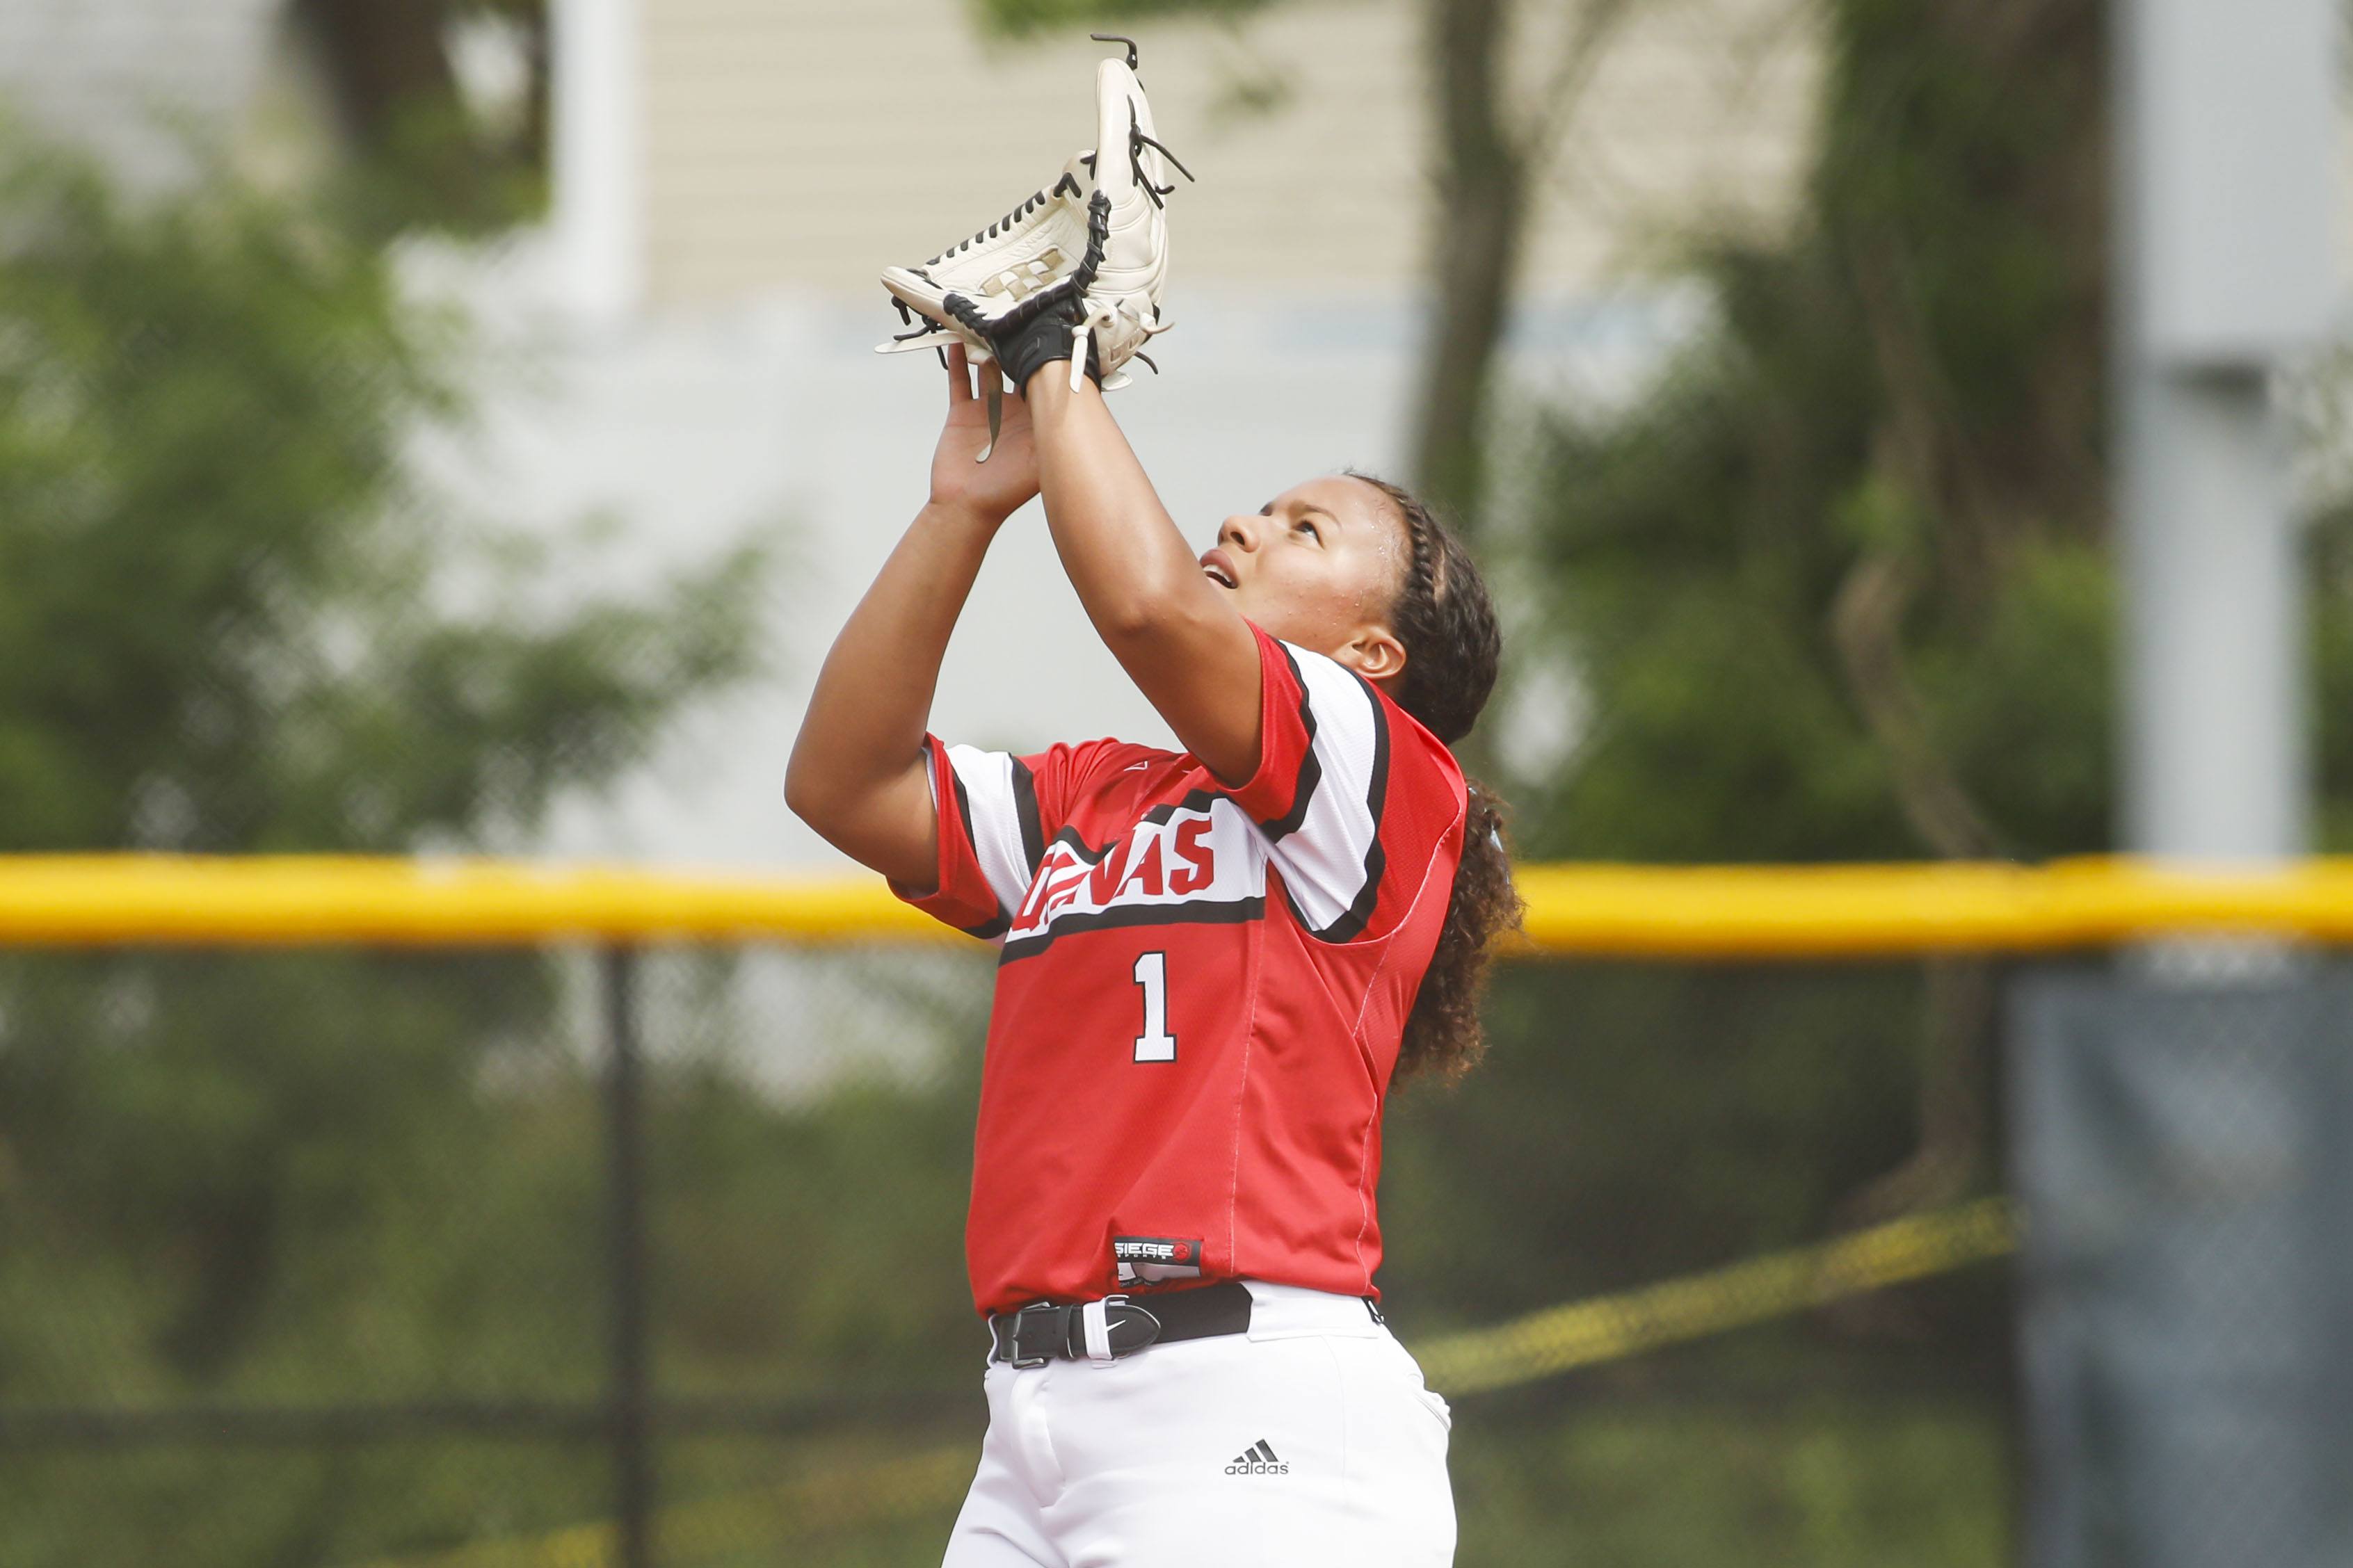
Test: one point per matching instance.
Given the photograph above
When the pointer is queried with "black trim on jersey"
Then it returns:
(1353, 919)
(1376, 799)
(1311, 772)
(1239, 912)
(988, 930)
(1025, 808)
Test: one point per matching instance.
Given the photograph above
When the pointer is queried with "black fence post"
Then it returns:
(627, 1399)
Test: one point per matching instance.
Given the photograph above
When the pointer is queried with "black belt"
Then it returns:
(1044, 1330)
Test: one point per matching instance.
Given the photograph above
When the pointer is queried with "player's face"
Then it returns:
(1319, 566)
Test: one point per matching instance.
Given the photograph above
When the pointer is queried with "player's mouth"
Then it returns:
(1219, 568)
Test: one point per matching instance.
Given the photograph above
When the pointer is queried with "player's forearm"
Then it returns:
(1188, 650)
(856, 769)
(1132, 570)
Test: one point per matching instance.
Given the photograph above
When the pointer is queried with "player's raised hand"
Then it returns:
(994, 489)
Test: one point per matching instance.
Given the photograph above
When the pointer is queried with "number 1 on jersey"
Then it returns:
(1156, 1043)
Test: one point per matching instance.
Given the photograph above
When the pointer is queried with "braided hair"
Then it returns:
(1446, 623)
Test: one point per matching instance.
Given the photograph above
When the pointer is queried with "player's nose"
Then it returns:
(1240, 532)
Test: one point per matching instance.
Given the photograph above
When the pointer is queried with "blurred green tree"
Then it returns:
(219, 621)
(224, 627)
(425, 150)
(1837, 588)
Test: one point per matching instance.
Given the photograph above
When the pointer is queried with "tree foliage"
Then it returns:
(1840, 587)
(219, 616)
(225, 626)
(424, 156)
(1837, 587)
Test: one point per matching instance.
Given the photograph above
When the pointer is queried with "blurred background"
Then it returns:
(440, 427)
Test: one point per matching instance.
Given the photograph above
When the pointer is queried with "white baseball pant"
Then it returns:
(1310, 1439)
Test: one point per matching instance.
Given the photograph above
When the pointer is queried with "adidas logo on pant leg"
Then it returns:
(1257, 1459)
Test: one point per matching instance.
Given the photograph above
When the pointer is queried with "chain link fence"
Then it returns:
(633, 1256)
(2188, 1325)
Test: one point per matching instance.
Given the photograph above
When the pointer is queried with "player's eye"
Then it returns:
(1309, 529)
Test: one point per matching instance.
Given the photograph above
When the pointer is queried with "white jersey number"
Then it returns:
(1156, 1043)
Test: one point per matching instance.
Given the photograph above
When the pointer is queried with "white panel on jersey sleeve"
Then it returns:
(1327, 860)
(989, 792)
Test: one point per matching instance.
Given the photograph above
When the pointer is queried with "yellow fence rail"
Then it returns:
(1777, 911)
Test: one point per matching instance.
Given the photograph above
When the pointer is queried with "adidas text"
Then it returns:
(1257, 1459)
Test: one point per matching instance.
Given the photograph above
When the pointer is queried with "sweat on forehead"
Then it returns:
(1352, 498)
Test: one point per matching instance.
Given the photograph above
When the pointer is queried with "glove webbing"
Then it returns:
(1046, 327)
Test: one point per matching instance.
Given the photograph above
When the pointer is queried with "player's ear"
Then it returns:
(1375, 654)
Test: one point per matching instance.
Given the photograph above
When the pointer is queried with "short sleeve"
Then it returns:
(1322, 785)
(991, 837)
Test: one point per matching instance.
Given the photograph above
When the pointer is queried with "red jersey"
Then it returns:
(1200, 990)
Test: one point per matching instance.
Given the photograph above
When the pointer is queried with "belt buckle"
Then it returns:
(1055, 1323)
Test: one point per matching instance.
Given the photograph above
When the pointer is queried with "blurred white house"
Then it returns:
(683, 346)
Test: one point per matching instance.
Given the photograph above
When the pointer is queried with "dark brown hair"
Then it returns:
(1446, 623)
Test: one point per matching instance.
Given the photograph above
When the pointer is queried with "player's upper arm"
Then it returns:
(891, 827)
(1196, 662)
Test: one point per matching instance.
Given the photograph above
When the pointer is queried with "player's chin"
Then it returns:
(1251, 607)
(1283, 622)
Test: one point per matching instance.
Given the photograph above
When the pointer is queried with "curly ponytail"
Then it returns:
(1447, 624)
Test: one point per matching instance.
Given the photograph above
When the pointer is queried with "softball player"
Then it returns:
(1213, 964)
